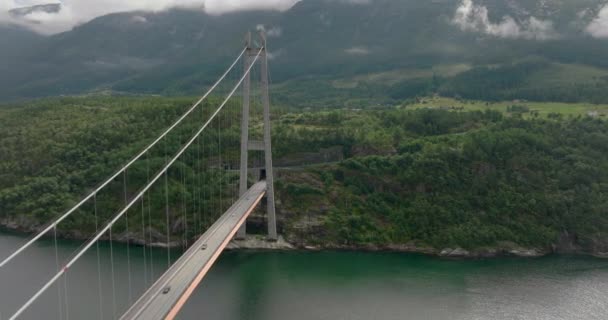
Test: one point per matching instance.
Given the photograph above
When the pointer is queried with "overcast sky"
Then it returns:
(79, 11)
(470, 16)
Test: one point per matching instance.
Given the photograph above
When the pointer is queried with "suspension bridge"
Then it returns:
(190, 191)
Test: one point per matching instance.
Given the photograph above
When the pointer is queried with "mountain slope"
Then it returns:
(178, 51)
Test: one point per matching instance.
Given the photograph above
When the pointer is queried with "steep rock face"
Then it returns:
(599, 246)
(566, 243)
(260, 243)
(570, 243)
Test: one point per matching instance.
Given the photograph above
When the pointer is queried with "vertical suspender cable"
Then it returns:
(60, 305)
(150, 221)
(112, 275)
(167, 209)
(202, 173)
(99, 283)
(143, 235)
(128, 237)
(220, 157)
(183, 182)
(66, 298)
(205, 186)
(199, 171)
(167, 219)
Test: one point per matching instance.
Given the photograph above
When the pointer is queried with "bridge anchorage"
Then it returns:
(193, 189)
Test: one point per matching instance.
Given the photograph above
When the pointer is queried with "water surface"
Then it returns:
(318, 285)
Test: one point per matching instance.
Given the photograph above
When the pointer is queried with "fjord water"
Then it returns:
(317, 285)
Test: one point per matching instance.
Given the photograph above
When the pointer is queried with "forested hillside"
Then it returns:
(476, 180)
(428, 179)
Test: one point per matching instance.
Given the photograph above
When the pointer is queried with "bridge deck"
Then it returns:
(167, 296)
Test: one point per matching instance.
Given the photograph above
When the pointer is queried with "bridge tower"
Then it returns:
(253, 145)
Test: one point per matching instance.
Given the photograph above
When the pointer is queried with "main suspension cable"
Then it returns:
(120, 171)
(116, 218)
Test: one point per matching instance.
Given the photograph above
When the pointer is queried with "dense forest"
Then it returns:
(428, 178)
(473, 180)
(58, 150)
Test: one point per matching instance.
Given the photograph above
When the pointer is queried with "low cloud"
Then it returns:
(224, 6)
(598, 28)
(272, 55)
(357, 51)
(273, 32)
(74, 12)
(475, 18)
(139, 19)
(356, 1)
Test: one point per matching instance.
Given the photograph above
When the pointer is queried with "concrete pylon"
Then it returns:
(266, 144)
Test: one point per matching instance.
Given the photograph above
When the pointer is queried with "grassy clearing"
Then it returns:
(542, 108)
(395, 76)
(566, 74)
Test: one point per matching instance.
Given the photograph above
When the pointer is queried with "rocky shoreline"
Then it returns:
(259, 242)
(443, 253)
(457, 253)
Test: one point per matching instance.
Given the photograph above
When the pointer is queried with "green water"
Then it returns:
(321, 285)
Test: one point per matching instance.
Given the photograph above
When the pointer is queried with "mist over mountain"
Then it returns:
(180, 51)
(50, 8)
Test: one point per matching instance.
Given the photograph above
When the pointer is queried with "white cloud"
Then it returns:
(74, 12)
(273, 32)
(223, 6)
(139, 19)
(598, 28)
(475, 18)
(357, 1)
(357, 51)
(275, 54)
